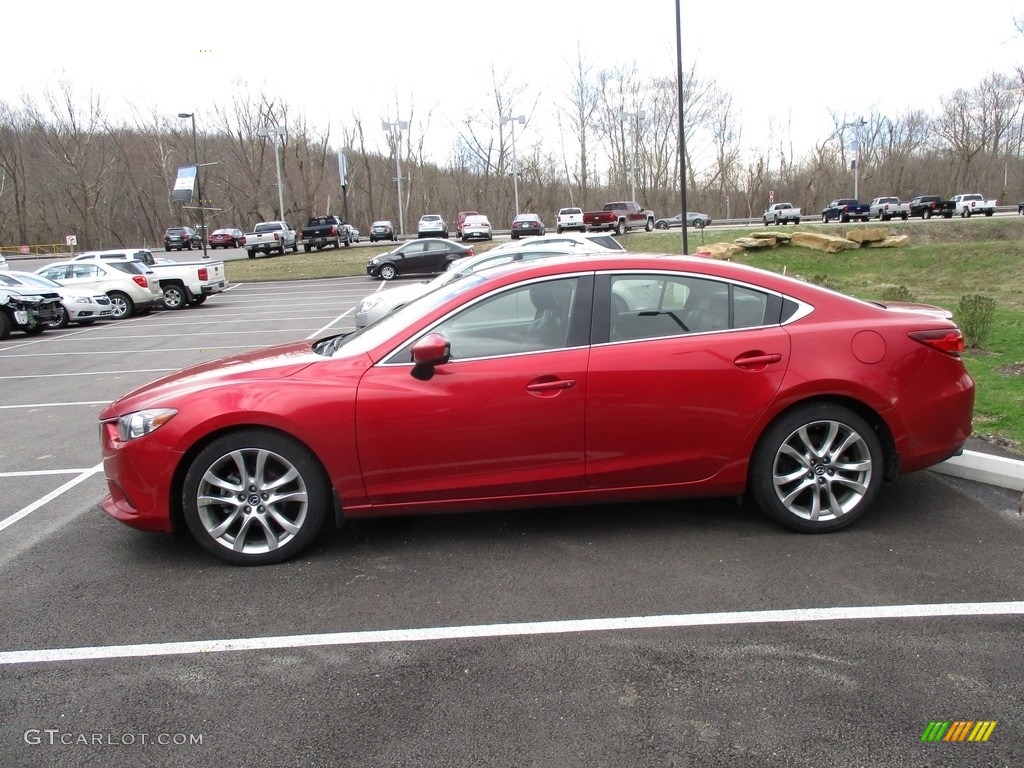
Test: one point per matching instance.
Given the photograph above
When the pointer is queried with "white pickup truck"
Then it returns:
(184, 283)
(781, 213)
(886, 208)
(968, 205)
(570, 218)
(270, 236)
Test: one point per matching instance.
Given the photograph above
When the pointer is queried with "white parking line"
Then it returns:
(86, 373)
(26, 511)
(55, 405)
(791, 616)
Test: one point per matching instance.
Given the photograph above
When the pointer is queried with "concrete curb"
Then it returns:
(985, 468)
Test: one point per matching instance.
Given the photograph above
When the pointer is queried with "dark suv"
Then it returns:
(181, 237)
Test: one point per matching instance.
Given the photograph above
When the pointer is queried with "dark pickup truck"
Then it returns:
(321, 231)
(846, 209)
(927, 206)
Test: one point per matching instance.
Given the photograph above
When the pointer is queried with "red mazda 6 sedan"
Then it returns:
(561, 381)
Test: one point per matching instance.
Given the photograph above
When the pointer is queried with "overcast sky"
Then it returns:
(785, 63)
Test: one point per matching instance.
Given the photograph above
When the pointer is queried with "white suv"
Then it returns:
(432, 225)
(131, 285)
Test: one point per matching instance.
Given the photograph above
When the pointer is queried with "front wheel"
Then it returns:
(650, 226)
(62, 321)
(817, 468)
(928, 213)
(824, 219)
(255, 497)
(387, 272)
(661, 225)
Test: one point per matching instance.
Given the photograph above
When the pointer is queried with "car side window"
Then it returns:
(85, 270)
(529, 318)
(656, 306)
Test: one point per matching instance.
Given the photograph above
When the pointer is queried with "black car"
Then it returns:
(382, 230)
(181, 237)
(429, 255)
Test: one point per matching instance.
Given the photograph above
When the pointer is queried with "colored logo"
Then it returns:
(958, 730)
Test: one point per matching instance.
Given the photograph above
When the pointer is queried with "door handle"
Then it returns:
(757, 360)
(548, 386)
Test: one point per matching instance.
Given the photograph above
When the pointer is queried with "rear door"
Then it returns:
(689, 365)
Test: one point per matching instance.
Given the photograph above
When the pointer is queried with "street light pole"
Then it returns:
(199, 186)
(521, 119)
(276, 131)
(856, 153)
(397, 127)
(638, 116)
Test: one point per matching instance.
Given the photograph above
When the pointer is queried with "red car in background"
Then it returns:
(226, 238)
(560, 381)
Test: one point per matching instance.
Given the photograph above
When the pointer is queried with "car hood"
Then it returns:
(276, 362)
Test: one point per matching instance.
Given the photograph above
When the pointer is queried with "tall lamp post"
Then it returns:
(639, 117)
(856, 153)
(199, 186)
(521, 119)
(276, 131)
(397, 128)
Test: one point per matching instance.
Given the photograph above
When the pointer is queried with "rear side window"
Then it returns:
(128, 267)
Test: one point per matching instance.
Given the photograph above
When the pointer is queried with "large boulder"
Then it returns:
(889, 242)
(720, 251)
(820, 242)
(867, 234)
(755, 243)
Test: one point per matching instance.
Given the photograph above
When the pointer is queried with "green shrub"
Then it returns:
(974, 315)
(898, 293)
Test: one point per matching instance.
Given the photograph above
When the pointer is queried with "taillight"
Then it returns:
(949, 341)
(470, 253)
(277, 236)
(140, 280)
(203, 274)
(334, 229)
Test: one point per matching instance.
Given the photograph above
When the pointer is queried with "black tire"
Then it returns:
(965, 213)
(167, 248)
(123, 305)
(620, 228)
(306, 248)
(699, 223)
(816, 468)
(928, 213)
(515, 237)
(824, 219)
(89, 321)
(388, 272)
(198, 300)
(795, 222)
(649, 226)
(989, 213)
(251, 254)
(175, 296)
(661, 225)
(265, 520)
(62, 321)
(5, 324)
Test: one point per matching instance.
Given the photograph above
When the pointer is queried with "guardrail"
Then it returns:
(29, 250)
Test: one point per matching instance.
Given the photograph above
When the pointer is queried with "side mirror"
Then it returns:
(432, 349)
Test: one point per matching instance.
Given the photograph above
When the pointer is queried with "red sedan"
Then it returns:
(226, 238)
(561, 381)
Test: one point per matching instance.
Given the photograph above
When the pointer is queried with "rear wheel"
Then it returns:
(252, 254)
(928, 213)
(306, 248)
(650, 226)
(122, 304)
(175, 297)
(255, 497)
(620, 228)
(817, 468)
(699, 223)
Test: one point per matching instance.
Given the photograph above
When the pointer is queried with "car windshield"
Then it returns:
(28, 277)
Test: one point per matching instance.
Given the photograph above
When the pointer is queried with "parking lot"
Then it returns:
(695, 633)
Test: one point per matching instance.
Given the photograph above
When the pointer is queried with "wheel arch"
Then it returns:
(177, 485)
(866, 412)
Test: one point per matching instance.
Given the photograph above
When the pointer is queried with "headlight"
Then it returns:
(141, 423)
(367, 304)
